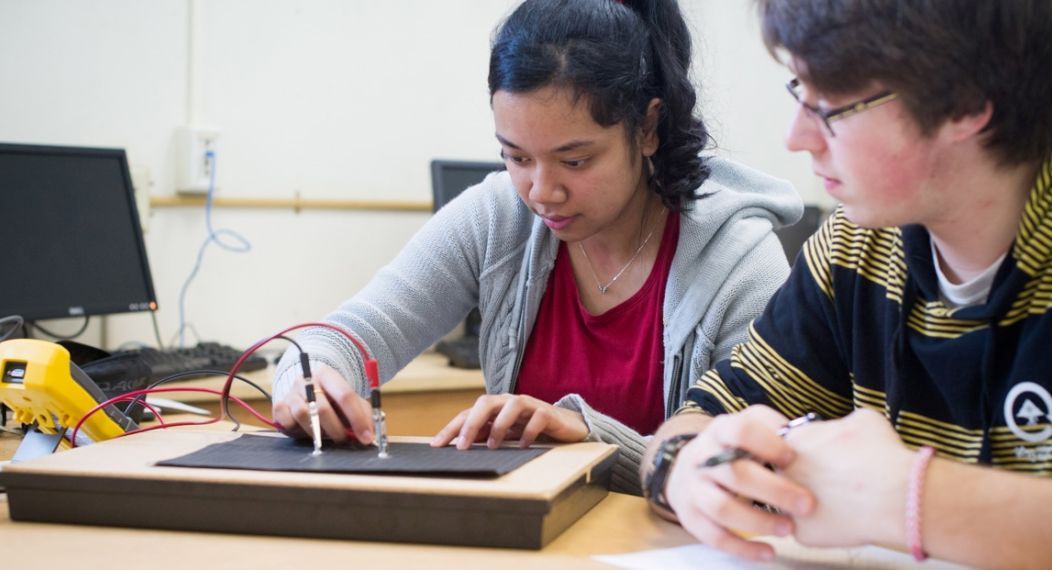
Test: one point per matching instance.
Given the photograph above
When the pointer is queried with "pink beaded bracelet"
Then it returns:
(914, 496)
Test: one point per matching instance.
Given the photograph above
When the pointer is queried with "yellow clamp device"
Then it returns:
(45, 389)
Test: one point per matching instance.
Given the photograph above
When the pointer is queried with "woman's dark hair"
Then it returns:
(617, 57)
(945, 59)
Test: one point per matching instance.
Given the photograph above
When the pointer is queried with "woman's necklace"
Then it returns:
(603, 288)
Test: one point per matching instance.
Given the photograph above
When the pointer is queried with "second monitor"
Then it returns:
(448, 179)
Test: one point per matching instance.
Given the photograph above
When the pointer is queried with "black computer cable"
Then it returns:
(197, 373)
(83, 327)
(16, 323)
(156, 330)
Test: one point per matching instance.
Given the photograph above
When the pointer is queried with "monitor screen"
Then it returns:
(70, 234)
(450, 177)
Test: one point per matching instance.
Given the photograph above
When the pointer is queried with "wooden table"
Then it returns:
(8, 444)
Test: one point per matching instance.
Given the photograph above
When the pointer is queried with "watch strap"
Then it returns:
(657, 478)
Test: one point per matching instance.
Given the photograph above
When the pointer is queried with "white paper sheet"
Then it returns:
(791, 556)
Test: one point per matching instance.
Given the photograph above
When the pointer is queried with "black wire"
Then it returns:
(283, 337)
(156, 330)
(84, 327)
(224, 400)
(18, 323)
(197, 373)
(210, 372)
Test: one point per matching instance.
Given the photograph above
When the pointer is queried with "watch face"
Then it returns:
(675, 443)
(654, 486)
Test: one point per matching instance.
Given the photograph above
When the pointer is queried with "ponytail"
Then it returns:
(677, 164)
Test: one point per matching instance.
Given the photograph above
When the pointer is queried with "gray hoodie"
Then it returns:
(487, 249)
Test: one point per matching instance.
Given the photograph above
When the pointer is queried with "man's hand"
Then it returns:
(715, 504)
(858, 470)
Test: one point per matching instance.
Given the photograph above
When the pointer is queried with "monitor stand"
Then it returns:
(463, 352)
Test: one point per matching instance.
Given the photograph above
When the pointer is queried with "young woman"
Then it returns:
(611, 262)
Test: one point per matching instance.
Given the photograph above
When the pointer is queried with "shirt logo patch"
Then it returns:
(1028, 404)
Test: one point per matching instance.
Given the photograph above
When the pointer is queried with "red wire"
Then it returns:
(154, 411)
(135, 393)
(171, 425)
(372, 375)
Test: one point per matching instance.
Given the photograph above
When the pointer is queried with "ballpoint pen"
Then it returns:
(736, 453)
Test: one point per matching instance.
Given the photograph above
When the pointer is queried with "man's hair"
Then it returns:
(945, 58)
(615, 56)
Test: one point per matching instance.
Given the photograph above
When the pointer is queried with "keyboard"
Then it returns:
(203, 356)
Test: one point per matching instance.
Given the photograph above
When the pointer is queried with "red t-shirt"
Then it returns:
(613, 360)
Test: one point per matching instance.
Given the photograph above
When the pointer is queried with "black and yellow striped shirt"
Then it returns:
(860, 323)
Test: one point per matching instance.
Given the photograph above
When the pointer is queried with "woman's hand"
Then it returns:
(338, 407)
(858, 470)
(715, 503)
(496, 418)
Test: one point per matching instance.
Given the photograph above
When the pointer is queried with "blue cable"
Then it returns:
(242, 245)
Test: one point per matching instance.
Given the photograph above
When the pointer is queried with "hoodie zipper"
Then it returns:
(674, 385)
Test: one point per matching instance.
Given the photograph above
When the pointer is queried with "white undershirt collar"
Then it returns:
(969, 293)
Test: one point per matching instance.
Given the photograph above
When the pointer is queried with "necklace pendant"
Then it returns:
(604, 288)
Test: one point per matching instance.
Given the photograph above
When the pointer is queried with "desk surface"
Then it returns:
(8, 444)
(428, 372)
(620, 524)
(431, 372)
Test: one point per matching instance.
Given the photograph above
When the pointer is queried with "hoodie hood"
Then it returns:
(741, 207)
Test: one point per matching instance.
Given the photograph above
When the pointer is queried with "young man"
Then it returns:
(924, 303)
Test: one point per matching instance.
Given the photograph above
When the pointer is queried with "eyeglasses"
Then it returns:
(829, 116)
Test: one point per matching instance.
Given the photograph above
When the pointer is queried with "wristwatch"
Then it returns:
(657, 478)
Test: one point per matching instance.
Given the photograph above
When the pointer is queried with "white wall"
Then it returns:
(328, 98)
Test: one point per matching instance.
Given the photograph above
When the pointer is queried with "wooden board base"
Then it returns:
(116, 483)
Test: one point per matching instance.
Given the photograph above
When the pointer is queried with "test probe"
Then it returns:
(312, 402)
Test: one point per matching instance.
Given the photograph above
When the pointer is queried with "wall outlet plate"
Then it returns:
(193, 168)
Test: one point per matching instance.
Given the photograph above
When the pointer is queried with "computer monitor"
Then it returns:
(451, 177)
(794, 236)
(448, 179)
(70, 233)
